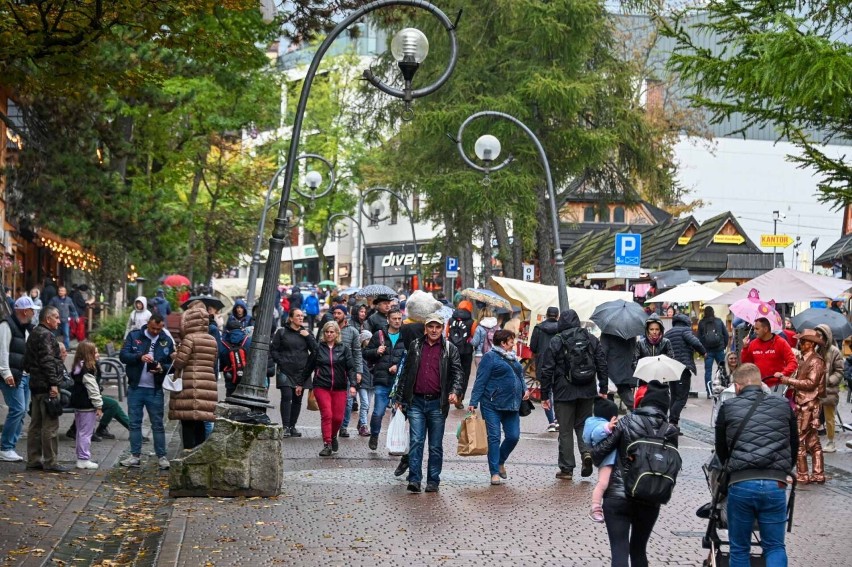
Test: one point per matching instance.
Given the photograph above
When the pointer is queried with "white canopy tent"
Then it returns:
(785, 285)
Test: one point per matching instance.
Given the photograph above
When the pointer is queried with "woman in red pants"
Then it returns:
(333, 367)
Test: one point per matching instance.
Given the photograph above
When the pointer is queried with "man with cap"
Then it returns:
(574, 369)
(14, 331)
(540, 340)
(351, 337)
(379, 318)
(809, 384)
(430, 382)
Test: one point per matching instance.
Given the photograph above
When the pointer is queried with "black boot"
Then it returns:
(103, 432)
(402, 467)
(72, 431)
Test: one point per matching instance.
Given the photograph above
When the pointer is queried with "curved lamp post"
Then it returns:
(361, 257)
(409, 47)
(313, 179)
(376, 215)
(487, 149)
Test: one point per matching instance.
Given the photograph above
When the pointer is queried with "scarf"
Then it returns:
(509, 354)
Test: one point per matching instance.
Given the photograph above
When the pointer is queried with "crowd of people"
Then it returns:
(349, 356)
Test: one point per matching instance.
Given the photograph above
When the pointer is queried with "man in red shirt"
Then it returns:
(771, 353)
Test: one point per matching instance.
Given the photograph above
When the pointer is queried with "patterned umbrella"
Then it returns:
(752, 308)
(487, 297)
(375, 290)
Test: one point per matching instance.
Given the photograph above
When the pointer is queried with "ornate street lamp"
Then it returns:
(409, 52)
(313, 180)
(487, 149)
(361, 257)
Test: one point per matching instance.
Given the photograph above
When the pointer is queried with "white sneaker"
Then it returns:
(830, 447)
(10, 456)
(130, 461)
(86, 465)
(164, 463)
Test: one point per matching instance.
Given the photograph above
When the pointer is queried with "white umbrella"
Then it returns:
(660, 368)
(788, 286)
(686, 293)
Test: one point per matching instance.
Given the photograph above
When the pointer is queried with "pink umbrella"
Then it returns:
(752, 308)
(176, 280)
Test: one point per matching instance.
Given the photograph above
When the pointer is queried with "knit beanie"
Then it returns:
(657, 396)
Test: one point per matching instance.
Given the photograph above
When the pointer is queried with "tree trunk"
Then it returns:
(193, 199)
(486, 253)
(504, 247)
(544, 242)
(518, 256)
(450, 249)
(123, 126)
(466, 262)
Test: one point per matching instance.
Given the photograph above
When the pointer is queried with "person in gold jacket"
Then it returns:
(196, 360)
(809, 387)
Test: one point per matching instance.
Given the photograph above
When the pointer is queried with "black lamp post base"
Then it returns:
(250, 397)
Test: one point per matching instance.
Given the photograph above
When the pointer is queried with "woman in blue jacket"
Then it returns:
(499, 389)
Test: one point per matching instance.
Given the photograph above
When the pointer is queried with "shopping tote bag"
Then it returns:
(473, 437)
(397, 443)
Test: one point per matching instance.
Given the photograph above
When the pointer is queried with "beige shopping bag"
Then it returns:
(473, 437)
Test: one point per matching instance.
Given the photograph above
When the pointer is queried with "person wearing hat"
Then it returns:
(809, 387)
(540, 340)
(379, 318)
(14, 330)
(430, 382)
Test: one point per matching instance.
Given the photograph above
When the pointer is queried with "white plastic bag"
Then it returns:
(397, 443)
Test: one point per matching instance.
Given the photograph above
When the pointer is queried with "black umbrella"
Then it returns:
(207, 300)
(625, 319)
(810, 318)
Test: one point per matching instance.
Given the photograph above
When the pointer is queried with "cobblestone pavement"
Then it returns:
(351, 510)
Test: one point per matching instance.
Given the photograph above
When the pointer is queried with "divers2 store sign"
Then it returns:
(391, 260)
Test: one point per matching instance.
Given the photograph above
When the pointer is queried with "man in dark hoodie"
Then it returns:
(684, 344)
(233, 354)
(572, 362)
(240, 314)
(540, 340)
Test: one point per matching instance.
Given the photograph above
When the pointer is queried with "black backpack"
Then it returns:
(650, 469)
(712, 338)
(459, 333)
(577, 349)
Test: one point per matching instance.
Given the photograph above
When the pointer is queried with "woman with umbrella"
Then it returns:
(653, 343)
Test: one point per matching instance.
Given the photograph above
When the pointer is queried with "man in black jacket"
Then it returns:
(685, 345)
(713, 334)
(571, 363)
(540, 340)
(383, 353)
(43, 363)
(760, 463)
(430, 383)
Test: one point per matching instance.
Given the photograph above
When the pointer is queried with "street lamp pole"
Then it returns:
(362, 257)
(409, 48)
(404, 203)
(488, 149)
(313, 184)
(813, 254)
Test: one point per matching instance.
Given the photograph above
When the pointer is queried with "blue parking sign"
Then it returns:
(628, 249)
(452, 264)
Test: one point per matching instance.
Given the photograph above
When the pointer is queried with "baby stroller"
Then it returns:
(720, 391)
(717, 519)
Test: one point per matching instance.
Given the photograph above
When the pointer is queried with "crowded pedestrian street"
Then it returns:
(351, 510)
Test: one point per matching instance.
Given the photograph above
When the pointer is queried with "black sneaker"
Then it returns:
(401, 468)
(374, 442)
(334, 445)
(285, 432)
(57, 469)
(326, 451)
(355, 406)
(295, 432)
(431, 487)
(565, 475)
(71, 433)
(413, 487)
(97, 438)
(344, 432)
(587, 465)
(104, 433)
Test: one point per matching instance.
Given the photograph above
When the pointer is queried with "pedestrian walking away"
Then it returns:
(539, 341)
(619, 364)
(685, 345)
(460, 332)
(713, 334)
(147, 355)
(43, 363)
(334, 379)
(575, 371)
(86, 401)
(15, 384)
(630, 522)
(196, 357)
(431, 381)
(498, 390)
(292, 348)
(757, 442)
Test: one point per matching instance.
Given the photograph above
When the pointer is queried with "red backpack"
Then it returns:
(237, 360)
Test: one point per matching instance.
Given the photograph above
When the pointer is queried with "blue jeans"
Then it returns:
(425, 417)
(151, 399)
(363, 407)
(712, 355)
(766, 502)
(510, 421)
(64, 329)
(18, 400)
(548, 413)
(381, 400)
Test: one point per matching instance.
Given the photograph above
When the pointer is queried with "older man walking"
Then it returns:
(15, 382)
